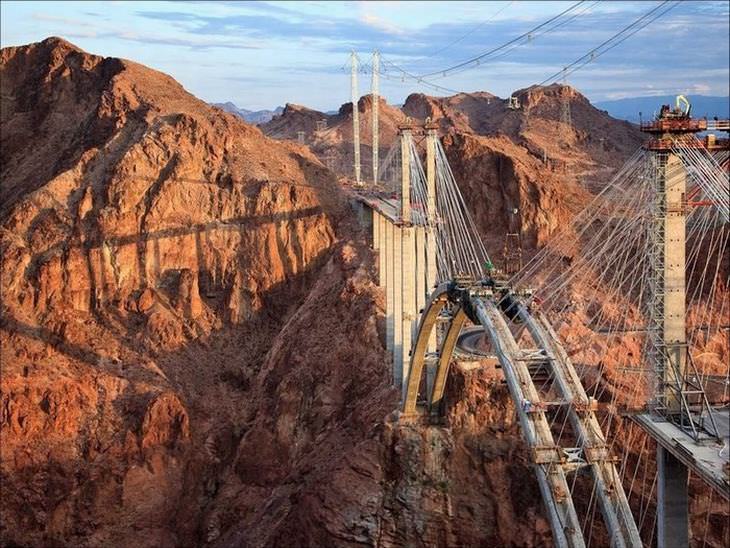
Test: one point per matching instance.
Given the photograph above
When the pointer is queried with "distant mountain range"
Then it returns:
(629, 108)
(251, 116)
(623, 109)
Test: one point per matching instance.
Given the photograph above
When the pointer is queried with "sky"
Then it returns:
(264, 54)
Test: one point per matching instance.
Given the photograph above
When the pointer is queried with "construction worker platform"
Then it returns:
(387, 206)
(709, 459)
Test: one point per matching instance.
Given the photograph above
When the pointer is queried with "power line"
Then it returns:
(530, 39)
(618, 38)
(475, 60)
(366, 68)
(538, 30)
(629, 31)
(472, 31)
(412, 76)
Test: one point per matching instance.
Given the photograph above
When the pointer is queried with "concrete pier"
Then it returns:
(397, 289)
(408, 291)
(672, 501)
(382, 254)
(406, 260)
(377, 242)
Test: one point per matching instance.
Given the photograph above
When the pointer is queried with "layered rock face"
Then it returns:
(526, 158)
(151, 247)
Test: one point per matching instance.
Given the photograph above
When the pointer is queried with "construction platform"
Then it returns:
(387, 206)
(708, 459)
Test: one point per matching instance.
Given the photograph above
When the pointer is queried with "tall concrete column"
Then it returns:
(672, 501)
(672, 496)
(377, 243)
(405, 154)
(388, 252)
(408, 272)
(376, 231)
(675, 335)
(420, 265)
(431, 260)
(397, 306)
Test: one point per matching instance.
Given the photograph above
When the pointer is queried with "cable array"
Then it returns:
(459, 249)
(596, 281)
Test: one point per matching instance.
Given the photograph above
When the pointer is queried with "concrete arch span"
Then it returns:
(435, 312)
(554, 459)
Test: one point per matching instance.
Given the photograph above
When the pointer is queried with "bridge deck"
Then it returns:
(709, 461)
(385, 205)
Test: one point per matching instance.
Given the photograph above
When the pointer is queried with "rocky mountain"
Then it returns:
(152, 248)
(251, 116)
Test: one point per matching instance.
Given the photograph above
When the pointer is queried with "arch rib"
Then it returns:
(436, 303)
(445, 354)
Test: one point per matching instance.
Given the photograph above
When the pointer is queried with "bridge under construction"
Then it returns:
(640, 267)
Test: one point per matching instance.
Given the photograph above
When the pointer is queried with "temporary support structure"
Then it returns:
(355, 115)
(669, 336)
(375, 93)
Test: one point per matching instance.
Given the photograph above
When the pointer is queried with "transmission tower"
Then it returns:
(565, 117)
(376, 104)
(512, 249)
(355, 115)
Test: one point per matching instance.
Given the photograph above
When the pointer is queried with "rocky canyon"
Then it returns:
(193, 338)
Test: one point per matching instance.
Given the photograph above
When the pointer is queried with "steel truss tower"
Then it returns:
(676, 397)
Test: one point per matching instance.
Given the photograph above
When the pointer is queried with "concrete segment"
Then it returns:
(409, 297)
(376, 231)
(389, 287)
(674, 327)
(383, 252)
(405, 151)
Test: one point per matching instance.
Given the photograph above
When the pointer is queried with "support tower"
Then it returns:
(375, 93)
(667, 329)
(355, 67)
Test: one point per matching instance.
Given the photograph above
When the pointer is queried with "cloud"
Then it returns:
(237, 5)
(303, 45)
(62, 20)
(85, 29)
(147, 38)
(380, 24)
